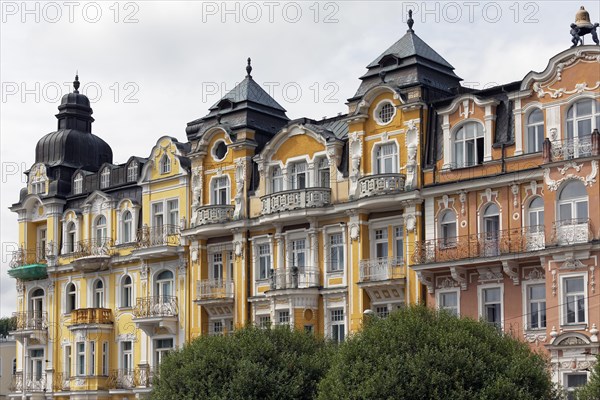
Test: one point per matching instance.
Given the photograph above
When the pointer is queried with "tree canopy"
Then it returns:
(252, 363)
(7, 324)
(420, 353)
(591, 391)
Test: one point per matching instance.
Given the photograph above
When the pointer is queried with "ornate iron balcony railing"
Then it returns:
(374, 185)
(212, 289)
(32, 382)
(31, 320)
(294, 278)
(381, 269)
(162, 235)
(296, 199)
(492, 244)
(156, 306)
(102, 246)
(129, 378)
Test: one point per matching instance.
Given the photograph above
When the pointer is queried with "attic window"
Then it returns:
(105, 178)
(165, 164)
(78, 184)
(388, 61)
(225, 104)
(384, 112)
(132, 170)
(219, 150)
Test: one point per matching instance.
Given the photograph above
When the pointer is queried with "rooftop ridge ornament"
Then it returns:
(76, 83)
(582, 26)
(410, 22)
(249, 68)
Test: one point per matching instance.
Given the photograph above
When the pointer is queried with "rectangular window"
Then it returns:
(80, 346)
(574, 381)
(338, 325)
(173, 214)
(574, 300)
(105, 359)
(283, 318)
(536, 306)
(162, 347)
(36, 364)
(336, 252)
(157, 215)
(127, 357)
(92, 358)
(387, 159)
(398, 244)
(216, 268)
(220, 191)
(535, 138)
(323, 173)
(492, 305)
(382, 311)
(276, 180)
(67, 366)
(42, 244)
(217, 328)
(264, 321)
(299, 253)
(299, 176)
(381, 243)
(448, 301)
(264, 261)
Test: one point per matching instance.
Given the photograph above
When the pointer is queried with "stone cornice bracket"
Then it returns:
(511, 269)
(459, 274)
(426, 278)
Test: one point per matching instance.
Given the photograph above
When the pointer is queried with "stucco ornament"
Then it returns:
(240, 177)
(356, 150)
(410, 222)
(588, 180)
(354, 232)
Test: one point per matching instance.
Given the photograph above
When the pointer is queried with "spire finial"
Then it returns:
(249, 68)
(76, 82)
(410, 22)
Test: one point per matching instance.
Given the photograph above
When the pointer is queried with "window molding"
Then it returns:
(375, 168)
(525, 304)
(480, 300)
(440, 292)
(212, 187)
(377, 109)
(562, 317)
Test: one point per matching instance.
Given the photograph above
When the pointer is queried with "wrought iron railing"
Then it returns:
(83, 316)
(572, 231)
(61, 381)
(491, 244)
(31, 382)
(37, 255)
(31, 320)
(214, 214)
(295, 199)
(210, 289)
(130, 378)
(294, 278)
(373, 185)
(156, 306)
(381, 269)
(101, 246)
(162, 235)
(569, 149)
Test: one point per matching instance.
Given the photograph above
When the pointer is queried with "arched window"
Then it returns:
(78, 184)
(132, 171)
(276, 179)
(100, 230)
(105, 178)
(98, 294)
(71, 297)
(126, 292)
(448, 228)
(71, 238)
(386, 159)
(535, 131)
(36, 303)
(220, 191)
(491, 230)
(582, 118)
(323, 174)
(573, 203)
(535, 213)
(165, 164)
(164, 286)
(127, 228)
(299, 175)
(468, 145)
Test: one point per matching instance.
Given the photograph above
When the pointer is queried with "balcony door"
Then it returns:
(36, 365)
(164, 287)
(491, 231)
(36, 308)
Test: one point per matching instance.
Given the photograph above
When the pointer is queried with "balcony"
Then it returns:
(91, 316)
(294, 278)
(91, 255)
(156, 311)
(30, 383)
(296, 199)
(572, 231)
(61, 381)
(484, 245)
(376, 185)
(568, 149)
(212, 291)
(216, 214)
(158, 241)
(130, 378)
(381, 269)
(28, 265)
(31, 320)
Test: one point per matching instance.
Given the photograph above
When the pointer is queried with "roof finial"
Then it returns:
(76, 82)
(410, 22)
(249, 68)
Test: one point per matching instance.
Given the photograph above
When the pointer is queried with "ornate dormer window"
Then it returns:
(78, 184)
(469, 145)
(384, 112)
(132, 171)
(386, 158)
(105, 178)
(38, 179)
(165, 164)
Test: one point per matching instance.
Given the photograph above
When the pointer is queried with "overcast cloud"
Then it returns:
(151, 66)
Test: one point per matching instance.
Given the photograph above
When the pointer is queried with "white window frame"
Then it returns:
(563, 300)
(323, 172)
(217, 187)
(276, 181)
(266, 258)
(295, 173)
(80, 359)
(329, 245)
(537, 128)
(71, 242)
(78, 184)
(132, 170)
(526, 304)
(375, 240)
(216, 262)
(337, 324)
(441, 292)
(173, 213)
(481, 299)
(126, 360)
(446, 240)
(100, 229)
(536, 211)
(280, 314)
(68, 295)
(127, 227)
(165, 350)
(123, 291)
(379, 158)
(294, 251)
(479, 133)
(377, 111)
(568, 389)
(572, 202)
(575, 118)
(105, 178)
(165, 164)
(68, 360)
(263, 320)
(98, 294)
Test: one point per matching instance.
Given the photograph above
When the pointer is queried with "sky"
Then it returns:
(149, 67)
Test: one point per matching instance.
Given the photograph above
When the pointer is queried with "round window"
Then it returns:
(220, 150)
(385, 112)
